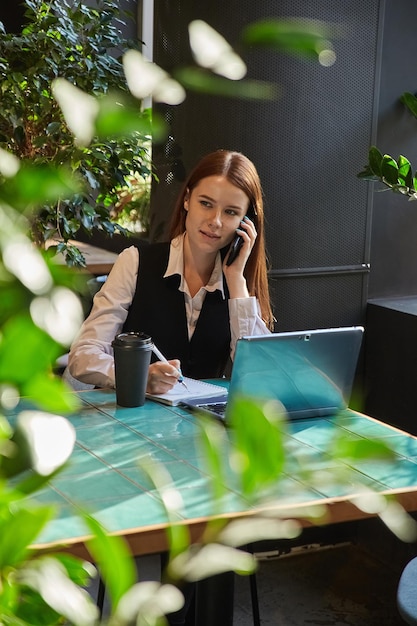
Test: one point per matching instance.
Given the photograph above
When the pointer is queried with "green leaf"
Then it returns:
(33, 482)
(25, 350)
(34, 185)
(200, 80)
(213, 442)
(113, 559)
(120, 117)
(80, 572)
(410, 102)
(51, 394)
(146, 604)
(178, 538)
(32, 609)
(210, 560)
(301, 37)
(389, 170)
(178, 534)
(361, 449)
(246, 531)
(48, 577)
(72, 254)
(41, 442)
(258, 446)
(367, 174)
(53, 127)
(19, 527)
(405, 174)
(375, 161)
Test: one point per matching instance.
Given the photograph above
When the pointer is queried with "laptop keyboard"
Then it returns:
(219, 408)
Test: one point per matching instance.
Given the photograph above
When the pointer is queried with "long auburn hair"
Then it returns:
(241, 172)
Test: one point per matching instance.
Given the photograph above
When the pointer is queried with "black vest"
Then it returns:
(158, 309)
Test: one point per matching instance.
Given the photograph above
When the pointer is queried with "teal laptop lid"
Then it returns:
(310, 372)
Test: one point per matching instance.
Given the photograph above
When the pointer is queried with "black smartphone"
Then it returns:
(235, 247)
(237, 243)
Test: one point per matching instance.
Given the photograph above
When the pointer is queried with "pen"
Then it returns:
(161, 357)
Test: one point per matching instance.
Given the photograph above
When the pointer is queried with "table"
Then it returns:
(105, 479)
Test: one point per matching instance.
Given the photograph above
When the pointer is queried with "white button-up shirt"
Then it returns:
(91, 355)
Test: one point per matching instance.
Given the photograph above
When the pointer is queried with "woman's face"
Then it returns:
(215, 208)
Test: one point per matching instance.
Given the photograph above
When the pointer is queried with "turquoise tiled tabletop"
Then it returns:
(106, 476)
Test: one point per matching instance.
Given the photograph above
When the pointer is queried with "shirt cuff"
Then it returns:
(245, 312)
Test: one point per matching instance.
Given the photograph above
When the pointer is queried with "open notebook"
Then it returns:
(195, 390)
(311, 372)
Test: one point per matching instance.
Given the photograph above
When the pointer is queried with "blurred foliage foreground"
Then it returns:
(39, 316)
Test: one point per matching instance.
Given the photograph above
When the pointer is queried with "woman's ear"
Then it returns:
(186, 199)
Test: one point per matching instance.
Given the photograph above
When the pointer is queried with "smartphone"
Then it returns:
(237, 243)
(235, 247)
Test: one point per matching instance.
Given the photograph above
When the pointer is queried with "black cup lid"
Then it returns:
(132, 340)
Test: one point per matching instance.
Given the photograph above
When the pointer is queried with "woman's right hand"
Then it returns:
(162, 376)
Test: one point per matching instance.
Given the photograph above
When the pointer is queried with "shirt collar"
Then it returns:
(176, 266)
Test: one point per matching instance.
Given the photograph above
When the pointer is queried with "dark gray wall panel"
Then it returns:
(317, 301)
(308, 145)
(394, 221)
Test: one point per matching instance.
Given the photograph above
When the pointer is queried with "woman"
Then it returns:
(184, 294)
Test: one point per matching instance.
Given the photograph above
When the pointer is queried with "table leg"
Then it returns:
(100, 595)
(214, 600)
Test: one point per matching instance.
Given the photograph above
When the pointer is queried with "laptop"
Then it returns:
(311, 372)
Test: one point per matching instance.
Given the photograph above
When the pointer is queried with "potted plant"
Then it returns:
(395, 174)
(82, 44)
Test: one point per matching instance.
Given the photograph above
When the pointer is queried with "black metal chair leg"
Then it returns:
(254, 599)
(100, 596)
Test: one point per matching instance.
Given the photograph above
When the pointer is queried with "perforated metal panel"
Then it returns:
(317, 301)
(12, 16)
(308, 146)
